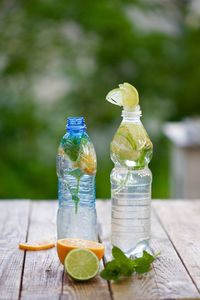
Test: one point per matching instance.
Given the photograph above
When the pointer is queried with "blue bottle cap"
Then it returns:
(75, 123)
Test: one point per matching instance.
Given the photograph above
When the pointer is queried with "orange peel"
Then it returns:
(64, 246)
(36, 246)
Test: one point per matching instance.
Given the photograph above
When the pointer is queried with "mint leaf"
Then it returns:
(124, 262)
(112, 271)
(118, 254)
(75, 173)
(122, 266)
(74, 190)
(127, 268)
(143, 264)
(71, 146)
(148, 257)
(140, 267)
(76, 200)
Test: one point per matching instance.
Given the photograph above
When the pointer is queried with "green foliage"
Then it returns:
(71, 146)
(60, 58)
(122, 266)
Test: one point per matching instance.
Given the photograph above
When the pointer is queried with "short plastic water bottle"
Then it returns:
(131, 151)
(76, 170)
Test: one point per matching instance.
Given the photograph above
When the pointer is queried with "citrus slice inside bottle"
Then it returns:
(131, 143)
(124, 145)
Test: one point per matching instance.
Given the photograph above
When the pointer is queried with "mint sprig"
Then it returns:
(77, 173)
(122, 266)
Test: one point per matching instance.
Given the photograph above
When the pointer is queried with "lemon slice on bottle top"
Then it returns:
(126, 95)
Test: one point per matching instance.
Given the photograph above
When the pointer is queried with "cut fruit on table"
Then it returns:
(35, 246)
(81, 264)
(64, 246)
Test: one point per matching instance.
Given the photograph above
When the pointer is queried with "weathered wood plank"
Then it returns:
(181, 220)
(42, 278)
(13, 230)
(168, 278)
(43, 273)
(96, 288)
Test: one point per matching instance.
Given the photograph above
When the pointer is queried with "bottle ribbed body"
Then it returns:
(76, 169)
(131, 209)
(83, 222)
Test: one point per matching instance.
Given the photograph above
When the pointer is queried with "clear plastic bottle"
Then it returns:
(131, 151)
(76, 170)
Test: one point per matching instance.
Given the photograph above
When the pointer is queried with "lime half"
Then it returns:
(81, 264)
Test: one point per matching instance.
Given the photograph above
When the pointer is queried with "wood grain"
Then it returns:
(43, 274)
(181, 219)
(168, 278)
(96, 288)
(42, 277)
(13, 230)
(175, 275)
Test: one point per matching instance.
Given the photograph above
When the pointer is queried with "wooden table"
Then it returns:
(39, 275)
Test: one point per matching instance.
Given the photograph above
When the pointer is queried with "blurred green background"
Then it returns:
(60, 58)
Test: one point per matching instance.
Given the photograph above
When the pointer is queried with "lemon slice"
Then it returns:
(115, 97)
(36, 246)
(129, 141)
(126, 95)
(87, 159)
(81, 264)
(123, 145)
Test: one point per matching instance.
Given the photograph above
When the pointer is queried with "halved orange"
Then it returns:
(35, 246)
(64, 246)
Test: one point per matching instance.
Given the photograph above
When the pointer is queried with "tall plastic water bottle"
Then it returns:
(131, 151)
(76, 170)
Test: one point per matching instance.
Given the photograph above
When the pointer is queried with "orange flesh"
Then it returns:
(64, 246)
(36, 246)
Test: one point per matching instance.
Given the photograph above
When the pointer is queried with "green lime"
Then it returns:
(126, 95)
(130, 141)
(129, 95)
(81, 264)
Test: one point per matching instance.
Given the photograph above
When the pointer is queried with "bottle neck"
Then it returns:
(76, 124)
(132, 116)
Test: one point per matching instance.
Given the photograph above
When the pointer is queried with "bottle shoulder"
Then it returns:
(74, 141)
(76, 152)
(76, 135)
